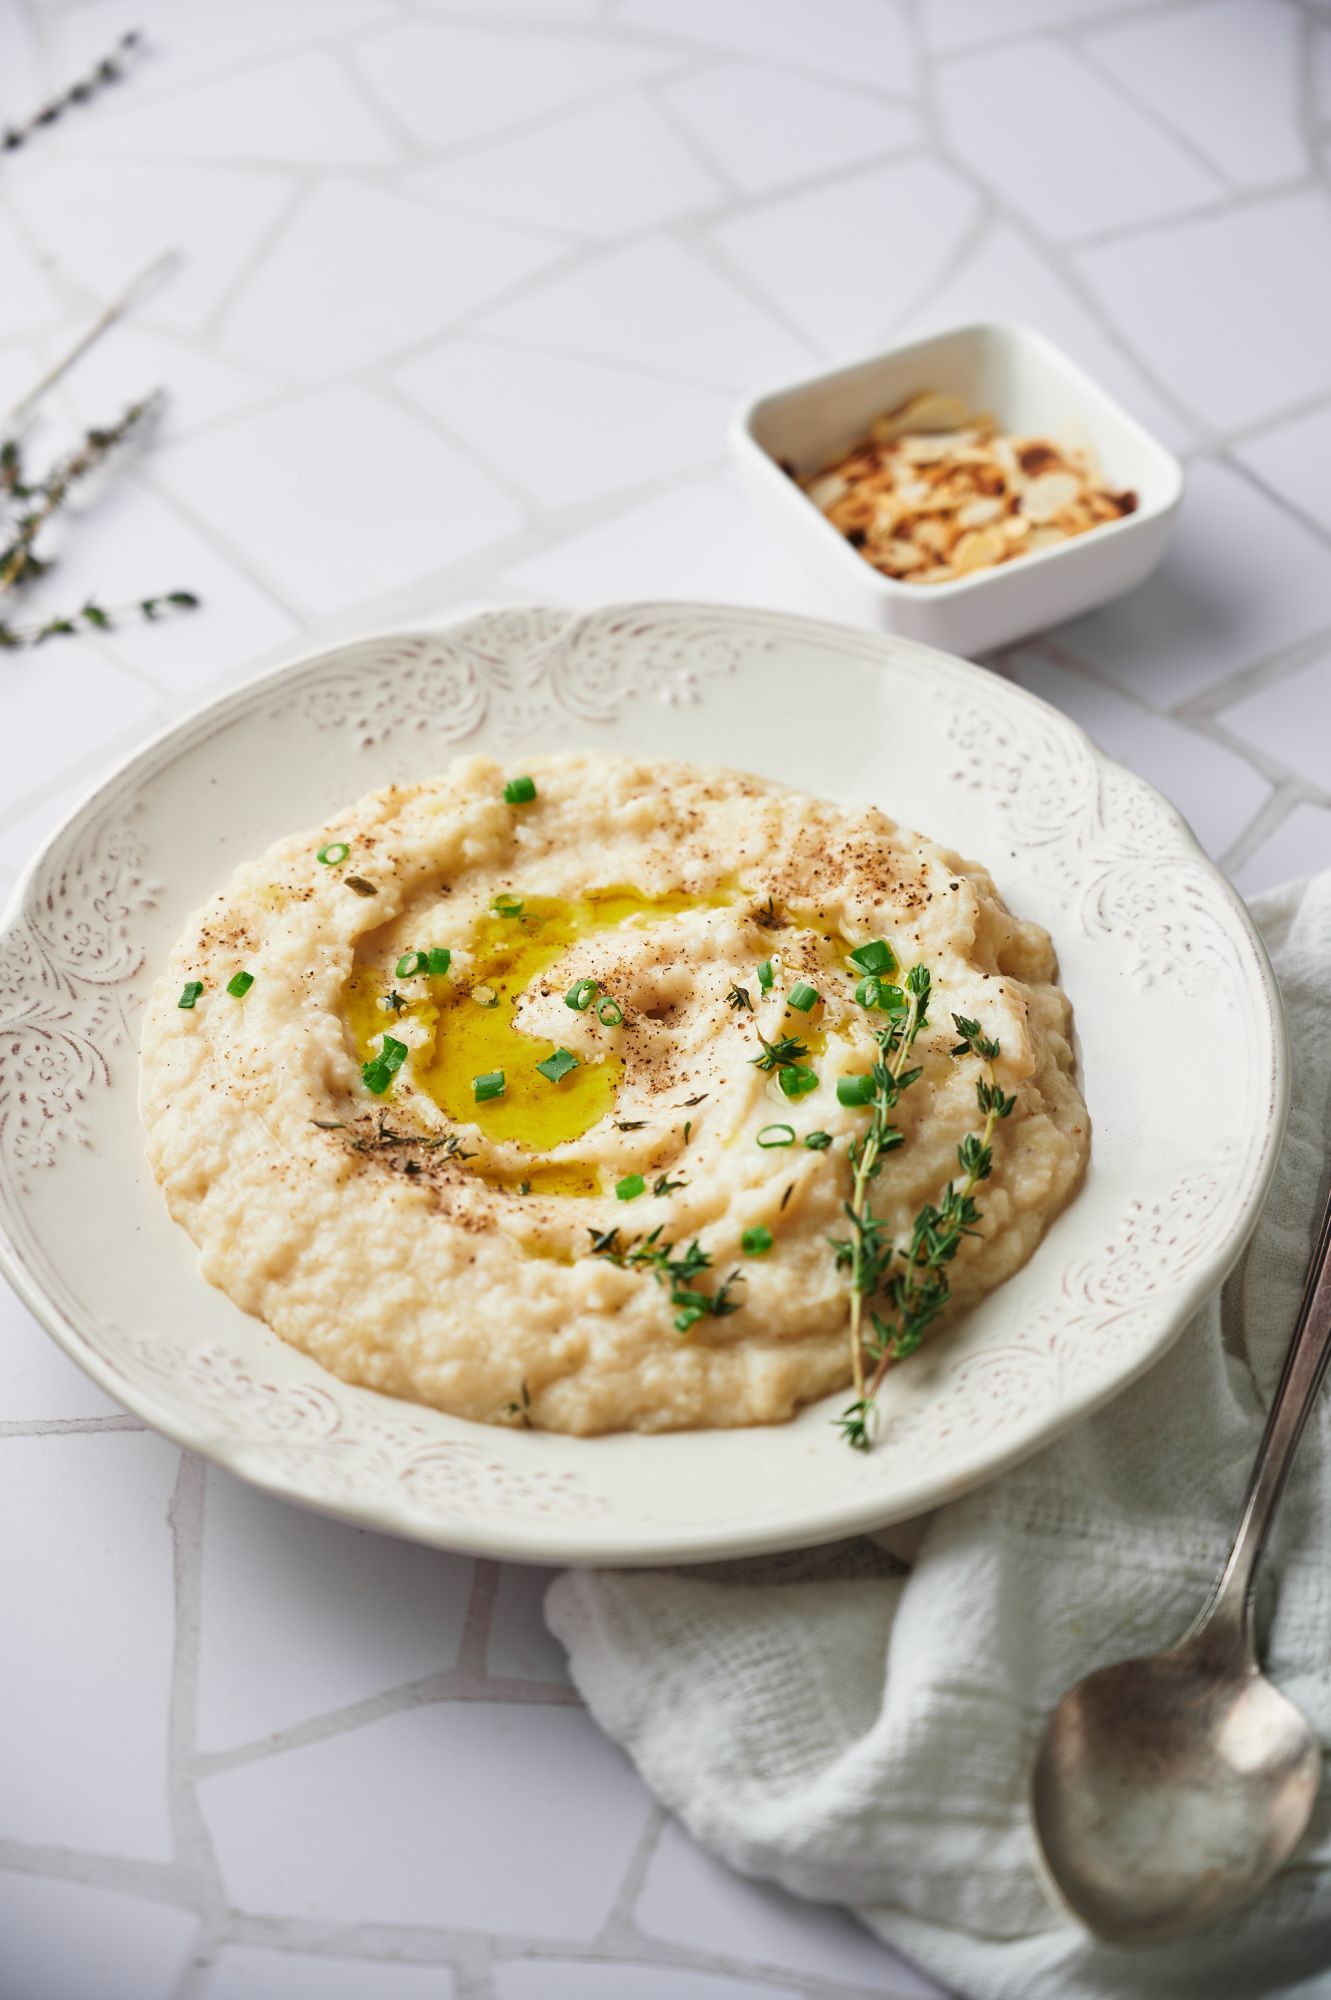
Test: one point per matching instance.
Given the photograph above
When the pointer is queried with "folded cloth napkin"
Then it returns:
(861, 1729)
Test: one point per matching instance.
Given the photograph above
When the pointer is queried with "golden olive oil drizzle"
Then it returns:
(509, 954)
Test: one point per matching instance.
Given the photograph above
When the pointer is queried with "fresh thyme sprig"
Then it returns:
(678, 1274)
(109, 70)
(867, 1252)
(784, 1053)
(915, 1280)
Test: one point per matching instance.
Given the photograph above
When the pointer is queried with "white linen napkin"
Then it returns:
(861, 1731)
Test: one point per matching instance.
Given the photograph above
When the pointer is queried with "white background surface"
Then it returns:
(470, 290)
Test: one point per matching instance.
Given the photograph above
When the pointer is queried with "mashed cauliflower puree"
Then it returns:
(448, 1089)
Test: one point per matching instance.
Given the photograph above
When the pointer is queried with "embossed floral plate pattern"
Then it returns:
(1181, 1044)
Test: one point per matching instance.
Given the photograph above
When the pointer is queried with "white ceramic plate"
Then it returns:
(1181, 1041)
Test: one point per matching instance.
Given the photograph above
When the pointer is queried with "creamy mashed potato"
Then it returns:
(501, 1064)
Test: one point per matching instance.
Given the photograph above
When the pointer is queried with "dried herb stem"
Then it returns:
(94, 616)
(17, 559)
(109, 70)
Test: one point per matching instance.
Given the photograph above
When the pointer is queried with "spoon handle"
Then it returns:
(1305, 1364)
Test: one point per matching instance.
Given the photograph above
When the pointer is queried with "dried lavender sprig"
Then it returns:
(17, 559)
(109, 70)
(99, 617)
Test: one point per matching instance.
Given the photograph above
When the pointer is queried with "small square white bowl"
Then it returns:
(1030, 387)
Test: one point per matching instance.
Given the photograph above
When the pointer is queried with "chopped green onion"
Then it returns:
(239, 985)
(485, 996)
(855, 1089)
(580, 995)
(410, 963)
(519, 791)
(802, 996)
(630, 1187)
(869, 991)
(190, 992)
(609, 1013)
(874, 957)
(776, 1135)
(766, 976)
(507, 906)
(558, 1065)
(818, 1142)
(439, 960)
(796, 1080)
(756, 1242)
(334, 854)
(377, 1075)
(490, 1085)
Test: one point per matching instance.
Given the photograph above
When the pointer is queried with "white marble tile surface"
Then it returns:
(994, 106)
(87, 1657)
(475, 1797)
(568, 176)
(1240, 110)
(1249, 334)
(469, 288)
(62, 1939)
(301, 1617)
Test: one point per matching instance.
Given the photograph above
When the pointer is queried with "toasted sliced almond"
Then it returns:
(1046, 497)
(936, 491)
(827, 490)
(980, 549)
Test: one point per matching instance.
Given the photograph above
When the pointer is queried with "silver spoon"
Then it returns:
(1167, 1791)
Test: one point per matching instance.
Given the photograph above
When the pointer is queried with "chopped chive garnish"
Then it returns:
(818, 1142)
(558, 1065)
(439, 960)
(609, 1013)
(190, 992)
(756, 1242)
(490, 1085)
(630, 1187)
(485, 996)
(377, 1075)
(580, 995)
(239, 985)
(874, 957)
(875, 992)
(776, 1135)
(519, 791)
(410, 963)
(766, 976)
(507, 906)
(855, 1089)
(334, 854)
(796, 1080)
(802, 996)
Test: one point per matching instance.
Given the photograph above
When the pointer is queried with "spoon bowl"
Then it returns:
(1169, 1790)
